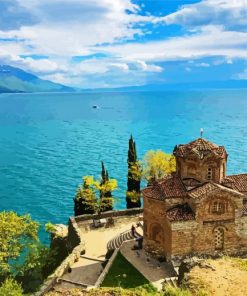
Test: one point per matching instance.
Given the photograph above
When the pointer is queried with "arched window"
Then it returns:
(210, 173)
(218, 207)
(219, 238)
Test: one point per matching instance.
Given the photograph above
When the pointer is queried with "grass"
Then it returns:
(125, 275)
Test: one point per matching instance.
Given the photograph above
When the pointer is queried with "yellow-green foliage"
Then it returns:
(49, 227)
(155, 165)
(106, 292)
(17, 233)
(175, 291)
(241, 263)
(94, 186)
(10, 288)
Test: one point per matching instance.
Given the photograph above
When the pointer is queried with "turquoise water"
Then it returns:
(49, 141)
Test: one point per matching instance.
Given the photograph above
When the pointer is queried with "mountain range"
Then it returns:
(14, 80)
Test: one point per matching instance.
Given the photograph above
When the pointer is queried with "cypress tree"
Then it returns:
(107, 204)
(133, 193)
(83, 200)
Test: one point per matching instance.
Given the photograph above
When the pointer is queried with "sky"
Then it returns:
(116, 43)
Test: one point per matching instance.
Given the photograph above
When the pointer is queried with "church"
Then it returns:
(198, 209)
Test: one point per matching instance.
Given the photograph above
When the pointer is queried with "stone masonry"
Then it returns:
(198, 209)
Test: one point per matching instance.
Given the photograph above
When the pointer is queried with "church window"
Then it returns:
(210, 174)
(219, 238)
(218, 207)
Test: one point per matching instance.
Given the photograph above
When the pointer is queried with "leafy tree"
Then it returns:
(154, 166)
(83, 200)
(30, 272)
(18, 233)
(50, 228)
(10, 288)
(102, 201)
(107, 196)
(133, 193)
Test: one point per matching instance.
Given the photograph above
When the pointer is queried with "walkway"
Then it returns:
(99, 241)
(155, 271)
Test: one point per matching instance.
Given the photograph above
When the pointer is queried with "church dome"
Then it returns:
(201, 148)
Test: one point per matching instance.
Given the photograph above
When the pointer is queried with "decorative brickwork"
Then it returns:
(197, 210)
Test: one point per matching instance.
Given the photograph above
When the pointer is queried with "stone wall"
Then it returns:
(74, 234)
(127, 212)
(106, 269)
(157, 230)
(77, 246)
(63, 267)
(193, 167)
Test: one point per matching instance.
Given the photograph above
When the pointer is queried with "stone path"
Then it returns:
(156, 272)
(84, 273)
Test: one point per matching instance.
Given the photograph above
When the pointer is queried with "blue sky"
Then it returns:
(113, 43)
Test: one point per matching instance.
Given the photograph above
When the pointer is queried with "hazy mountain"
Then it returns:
(16, 80)
(228, 84)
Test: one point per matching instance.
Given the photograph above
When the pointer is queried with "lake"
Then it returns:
(49, 141)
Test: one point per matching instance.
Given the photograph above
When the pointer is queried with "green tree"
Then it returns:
(154, 166)
(10, 288)
(133, 194)
(85, 197)
(107, 196)
(30, 273)
(102, 201)
(18, 233)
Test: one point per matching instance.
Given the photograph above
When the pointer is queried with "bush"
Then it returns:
(174, 291)
(10, 288)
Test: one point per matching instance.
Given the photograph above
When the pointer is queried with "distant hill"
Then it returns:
(16, 80)
(229, 84)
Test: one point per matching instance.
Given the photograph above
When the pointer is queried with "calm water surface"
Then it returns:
(49, 141)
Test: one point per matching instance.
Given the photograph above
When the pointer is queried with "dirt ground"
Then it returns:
(226, 277)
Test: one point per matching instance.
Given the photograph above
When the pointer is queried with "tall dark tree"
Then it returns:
(108, 200)
(133, 194)
(83, 200)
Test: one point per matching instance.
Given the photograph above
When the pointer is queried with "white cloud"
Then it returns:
(121, 66)
(203, 65)
(61, 29)
(242, 75)
(212, 41)
(69, 27)
(148, 67)
(228, 13)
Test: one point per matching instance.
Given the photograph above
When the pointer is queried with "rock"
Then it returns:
(186, 266)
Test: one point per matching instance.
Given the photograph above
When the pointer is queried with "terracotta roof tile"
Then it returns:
(170, 186)
(203, 189)
(236, 182)
(152, 192)
(180, 213)
(201, 147)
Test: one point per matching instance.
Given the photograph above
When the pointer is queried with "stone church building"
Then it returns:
(198, 209)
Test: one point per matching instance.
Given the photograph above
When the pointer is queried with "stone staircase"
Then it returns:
(117, 241)
(172, 281)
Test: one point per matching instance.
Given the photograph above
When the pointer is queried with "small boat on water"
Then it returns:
(95, 107)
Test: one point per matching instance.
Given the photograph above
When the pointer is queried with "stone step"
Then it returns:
(117, 241)
(172, 281)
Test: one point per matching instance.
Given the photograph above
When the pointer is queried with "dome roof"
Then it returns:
(201, 148)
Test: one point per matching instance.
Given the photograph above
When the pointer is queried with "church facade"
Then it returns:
(198, 209)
